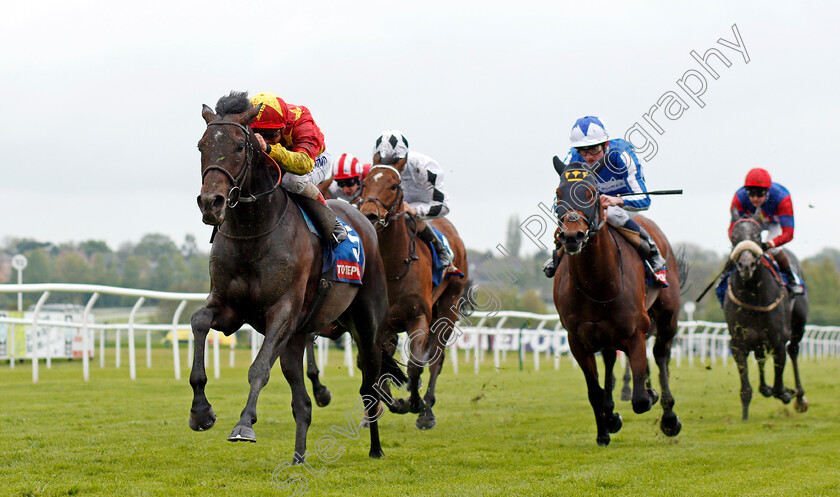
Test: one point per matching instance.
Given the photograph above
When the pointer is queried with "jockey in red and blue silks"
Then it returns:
(774, 206)
(622, 175)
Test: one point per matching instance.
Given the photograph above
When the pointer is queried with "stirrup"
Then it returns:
(339, 233)
(549, 269)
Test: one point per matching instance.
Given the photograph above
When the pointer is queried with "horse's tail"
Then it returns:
(468, 299)
(391, 370)
(683, 267)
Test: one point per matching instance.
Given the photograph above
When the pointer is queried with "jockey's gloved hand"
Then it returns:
(765, 246)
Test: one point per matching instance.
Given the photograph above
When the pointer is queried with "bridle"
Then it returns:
(234, 196)
(592, 228)
(382, 222)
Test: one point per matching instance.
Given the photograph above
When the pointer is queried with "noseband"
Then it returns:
(592, 228)
(234, 195)
(389, 211)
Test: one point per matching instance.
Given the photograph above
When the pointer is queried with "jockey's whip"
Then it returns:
(656, 192)
(726, 268)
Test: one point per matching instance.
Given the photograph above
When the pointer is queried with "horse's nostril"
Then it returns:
(579, 235)
(218, 202)
(372, 217)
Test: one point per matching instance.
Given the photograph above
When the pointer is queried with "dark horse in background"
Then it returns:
(266, 270)
(761, 316)
(426, 312)
(605, 305)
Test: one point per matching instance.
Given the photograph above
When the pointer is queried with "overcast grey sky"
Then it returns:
(101, 103)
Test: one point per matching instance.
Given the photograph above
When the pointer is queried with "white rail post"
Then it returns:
(348, 355)
(148, 349)
(86, 337)
(132, 363)
(44, 297)
(217, 336)
(12, 346)
(175, 355)
(102, 348)
(50, 331)
(117, 346)
(253, 345)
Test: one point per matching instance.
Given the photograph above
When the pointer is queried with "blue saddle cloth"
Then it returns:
(346, 262)
(437, 268)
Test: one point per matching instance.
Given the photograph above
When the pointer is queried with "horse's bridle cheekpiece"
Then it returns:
(389, 212)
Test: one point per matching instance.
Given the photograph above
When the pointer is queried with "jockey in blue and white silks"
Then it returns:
(622, 176)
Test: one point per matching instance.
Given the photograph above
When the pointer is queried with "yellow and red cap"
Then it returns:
(272, 113)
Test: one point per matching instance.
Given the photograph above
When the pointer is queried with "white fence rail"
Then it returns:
(541, 336)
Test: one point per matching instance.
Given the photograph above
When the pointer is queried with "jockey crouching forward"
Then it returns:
(421, 178)
(773, 204)
(289, 135)
(349, 175)
(622, 175)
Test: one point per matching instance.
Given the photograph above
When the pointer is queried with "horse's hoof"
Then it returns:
(323, 397)
(426, 422)
(801, 404)
(626, 394)
(654, 396)
(201, 421)
(242, 434)
(376, 453)
(400, 406)
(603, 440)
(670, 424)
(416, 406)
(785, 397)
(615, 423)
(766, 390)
(644, 405)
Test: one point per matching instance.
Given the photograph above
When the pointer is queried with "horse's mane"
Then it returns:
(235, 103)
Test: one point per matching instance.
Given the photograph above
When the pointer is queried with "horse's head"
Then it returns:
(578, 207)
(746, 252)
(382, 195)
(228, 149)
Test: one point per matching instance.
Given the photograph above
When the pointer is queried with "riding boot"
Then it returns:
(553, 262)
(429, 236)
(654, 261)
(794, 284)
(324, 219)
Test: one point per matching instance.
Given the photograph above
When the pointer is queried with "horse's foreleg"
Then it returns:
(202, 416)
(258, 375)
(637, 355)
(587, 363)
(779, 390)
(418, 335)
(441, 331)
(740, 357)
(626, 392)
(292, 365)
(613, 419)
(366, 335)
(670, 423)
(801, 404)
(761, 359)
(321, 393)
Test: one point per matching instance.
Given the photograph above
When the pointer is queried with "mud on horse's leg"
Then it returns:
(761, 359)
(740, 357)
(779, 390)
(202, 416)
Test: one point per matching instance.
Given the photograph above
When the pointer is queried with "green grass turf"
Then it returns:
(499, 433)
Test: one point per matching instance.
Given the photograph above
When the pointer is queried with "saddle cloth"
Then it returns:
(437, 269)
(345, 262)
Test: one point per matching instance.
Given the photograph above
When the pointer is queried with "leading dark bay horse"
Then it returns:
(761, 316)
(426, 312)
(266, 270)
(604, 304)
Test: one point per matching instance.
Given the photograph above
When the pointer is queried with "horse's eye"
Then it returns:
(394, 187)
(240, 147)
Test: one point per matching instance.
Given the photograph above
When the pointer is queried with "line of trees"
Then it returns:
(158, 263)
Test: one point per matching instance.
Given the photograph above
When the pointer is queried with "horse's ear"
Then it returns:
(249, 115)
(207, 113)
(559, 166)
